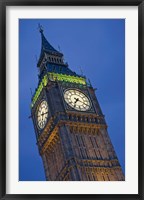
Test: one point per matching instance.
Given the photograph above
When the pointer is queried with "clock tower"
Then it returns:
(70, 127)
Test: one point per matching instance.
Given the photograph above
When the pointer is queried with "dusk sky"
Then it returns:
(97, 46)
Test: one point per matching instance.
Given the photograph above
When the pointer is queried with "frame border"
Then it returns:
(3, 5)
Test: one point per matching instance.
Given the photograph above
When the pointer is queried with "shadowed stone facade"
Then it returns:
(72, 139)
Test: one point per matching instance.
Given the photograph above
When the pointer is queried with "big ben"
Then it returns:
(70, 127)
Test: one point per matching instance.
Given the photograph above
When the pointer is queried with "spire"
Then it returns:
(46, 47)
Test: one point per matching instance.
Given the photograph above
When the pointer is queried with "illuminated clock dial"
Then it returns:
(42, 114)
(77, 99)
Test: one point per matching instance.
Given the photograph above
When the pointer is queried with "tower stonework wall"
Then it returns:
(81, 154)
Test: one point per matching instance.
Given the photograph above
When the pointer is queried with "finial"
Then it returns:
(81, 71)
(89, 82)
(40, 28)
(31, 92)
(59, 48)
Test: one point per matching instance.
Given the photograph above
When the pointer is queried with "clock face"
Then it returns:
(77, 100)
(42, 114)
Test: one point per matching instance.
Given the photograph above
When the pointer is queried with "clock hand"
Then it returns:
(76, 99)
(83, 102)
(42, 114)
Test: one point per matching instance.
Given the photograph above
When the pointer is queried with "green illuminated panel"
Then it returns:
(54, 77)
(67, 78)
(39, 89)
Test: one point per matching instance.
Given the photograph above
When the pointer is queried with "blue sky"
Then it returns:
(95, 45)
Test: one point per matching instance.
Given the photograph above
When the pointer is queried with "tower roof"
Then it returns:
(46, 47)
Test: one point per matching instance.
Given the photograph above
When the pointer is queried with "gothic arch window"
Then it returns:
(88, 176)
(82, 140)
(95, 176)
(102, 174)
(108, 177)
